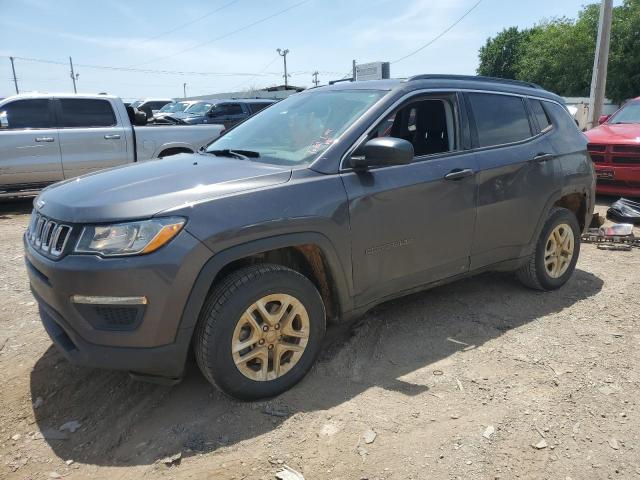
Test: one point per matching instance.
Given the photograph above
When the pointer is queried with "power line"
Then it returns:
(144, 70)
(260, 72)
(191, 22)
(442, 34)
(233, 32)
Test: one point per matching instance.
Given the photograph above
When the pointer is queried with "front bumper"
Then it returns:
(618, 180)
(155, 344)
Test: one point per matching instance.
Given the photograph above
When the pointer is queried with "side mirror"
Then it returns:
(383, 152)
(140, 118)
(603, 118)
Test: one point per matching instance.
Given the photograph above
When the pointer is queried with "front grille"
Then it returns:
(618, 159)
(594, 147)
(47, 235)
(626, 149)
(597, 158)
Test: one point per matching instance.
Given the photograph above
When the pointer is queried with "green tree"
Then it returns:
(558, 53)
(623, 76)
(499, 56)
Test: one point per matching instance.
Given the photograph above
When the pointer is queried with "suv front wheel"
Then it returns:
(556, 253)
(260, 331)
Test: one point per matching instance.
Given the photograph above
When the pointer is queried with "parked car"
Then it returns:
(614, 147)
(312, 211)
(228, 112)
(151, 106)
(195, 109)
(48, 138)
(174, 108)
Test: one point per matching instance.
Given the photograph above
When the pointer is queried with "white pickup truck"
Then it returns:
(45, 138)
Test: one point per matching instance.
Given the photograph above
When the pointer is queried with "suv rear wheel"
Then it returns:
(260, 331)
(556, 253)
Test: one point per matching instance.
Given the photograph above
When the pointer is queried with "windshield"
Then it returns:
(198, 108)
(174, 107)
(630, 113)
(136, 104)
(295, 130)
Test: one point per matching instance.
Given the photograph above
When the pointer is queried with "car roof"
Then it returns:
(456, 82)
(60, 95)
(241, 100)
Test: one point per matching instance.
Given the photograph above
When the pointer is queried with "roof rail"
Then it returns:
(435, 76)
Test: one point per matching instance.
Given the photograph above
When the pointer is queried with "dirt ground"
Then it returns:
(478, 379)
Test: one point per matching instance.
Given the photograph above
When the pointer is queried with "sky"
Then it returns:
(219, 46)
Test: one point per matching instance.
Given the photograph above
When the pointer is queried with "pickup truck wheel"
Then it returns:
(260, 331)
(556, 253)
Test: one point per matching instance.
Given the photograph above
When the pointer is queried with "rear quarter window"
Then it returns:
(499, 119)
(544, 123)
(83, 113)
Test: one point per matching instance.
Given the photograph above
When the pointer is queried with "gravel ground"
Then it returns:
(478, 379)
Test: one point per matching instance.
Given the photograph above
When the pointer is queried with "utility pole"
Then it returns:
(354, 71)
(600, 62)
(15, 80)
(184, 90)
(74, 76)
(315, 78)
(283, 54)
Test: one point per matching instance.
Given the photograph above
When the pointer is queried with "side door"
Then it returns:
(517, 175)
(92, 137)
(29, 145)
(413, 224)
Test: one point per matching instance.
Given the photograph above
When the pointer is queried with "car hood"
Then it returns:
(145, 189)
(626, 133)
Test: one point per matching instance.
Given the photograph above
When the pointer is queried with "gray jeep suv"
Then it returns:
(314, 210)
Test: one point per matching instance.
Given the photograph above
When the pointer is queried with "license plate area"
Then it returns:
(605, 174)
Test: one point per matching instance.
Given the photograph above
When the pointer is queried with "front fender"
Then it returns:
(217, 262)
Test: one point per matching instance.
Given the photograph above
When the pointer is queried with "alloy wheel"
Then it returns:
(270, 337)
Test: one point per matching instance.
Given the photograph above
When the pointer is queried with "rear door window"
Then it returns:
(540, 115)
(26, 114)
(85, 112)
(499, 119)
(234, 109)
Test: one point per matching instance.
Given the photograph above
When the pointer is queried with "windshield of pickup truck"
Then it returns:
(174, 107)
(297, 129)
(630, 113)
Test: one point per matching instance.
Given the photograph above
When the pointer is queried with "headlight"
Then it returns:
(131, 238)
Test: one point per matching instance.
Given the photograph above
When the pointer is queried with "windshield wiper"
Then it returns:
(241, 154)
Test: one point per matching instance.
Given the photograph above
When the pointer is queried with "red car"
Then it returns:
(615, 150)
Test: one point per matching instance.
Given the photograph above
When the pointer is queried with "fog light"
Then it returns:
(89, 300)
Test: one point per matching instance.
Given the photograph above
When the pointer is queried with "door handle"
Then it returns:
(459, 174)
(543, 157)
(44, 139)
(115, 136)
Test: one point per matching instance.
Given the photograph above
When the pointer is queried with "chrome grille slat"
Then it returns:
(47, 235)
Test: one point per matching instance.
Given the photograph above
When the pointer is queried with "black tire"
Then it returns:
(223, 309)
(533, 273)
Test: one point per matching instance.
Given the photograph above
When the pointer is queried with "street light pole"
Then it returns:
(283, 54)
(184, 90)
(315, 78)
(600, 62)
